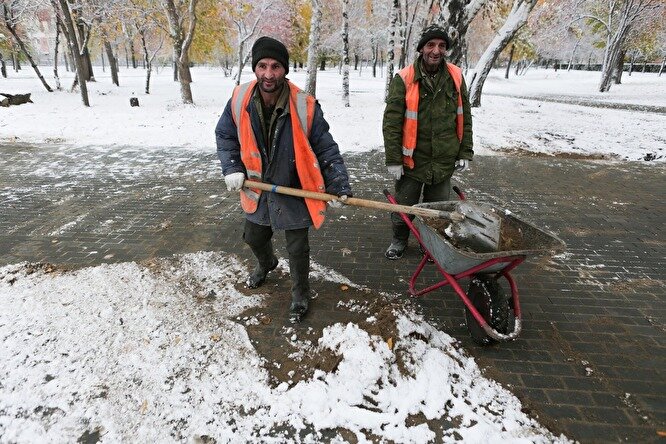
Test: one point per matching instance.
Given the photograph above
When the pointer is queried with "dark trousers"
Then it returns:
(258, 237)
(408, 192)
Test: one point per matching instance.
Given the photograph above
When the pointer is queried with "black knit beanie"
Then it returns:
(433, 32)
(271, 48)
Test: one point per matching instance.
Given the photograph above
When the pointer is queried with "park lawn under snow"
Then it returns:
(501, 124)
(130, 352)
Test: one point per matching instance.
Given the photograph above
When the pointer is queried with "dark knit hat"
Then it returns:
(433, 32)
(271, 48)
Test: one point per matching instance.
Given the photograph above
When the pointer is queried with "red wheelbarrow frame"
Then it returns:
(452, 280)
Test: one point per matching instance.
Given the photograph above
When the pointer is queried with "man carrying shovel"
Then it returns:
(427, 130)
(271, 131)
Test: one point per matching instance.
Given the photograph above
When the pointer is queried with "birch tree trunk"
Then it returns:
(241, 64)
(573, 54)
(515, 20)
(390, 53)
(345, 54)
(456, 16)
(313, 49)
(147, 60)
(55, 55)
(375, 52)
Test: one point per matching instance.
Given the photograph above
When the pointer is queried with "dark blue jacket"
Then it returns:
(280, 211)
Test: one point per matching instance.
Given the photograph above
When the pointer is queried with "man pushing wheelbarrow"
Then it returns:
(427, 129)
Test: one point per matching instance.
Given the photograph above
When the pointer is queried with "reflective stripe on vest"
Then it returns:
(301, 110)
(411, 118)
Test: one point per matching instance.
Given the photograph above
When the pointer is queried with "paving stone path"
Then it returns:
(591, 359)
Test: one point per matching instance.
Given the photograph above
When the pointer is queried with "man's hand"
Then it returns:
(339, 203)
(395, 171)
(461, 165)
(234, 181)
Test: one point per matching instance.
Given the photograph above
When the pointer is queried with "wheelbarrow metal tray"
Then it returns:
(517, 238)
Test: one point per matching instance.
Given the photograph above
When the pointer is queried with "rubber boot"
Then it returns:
(396, 249)
(267, 261)
(300, 287)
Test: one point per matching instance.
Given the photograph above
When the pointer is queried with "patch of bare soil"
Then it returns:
(290, 351)
(521, 152)
(12, 275)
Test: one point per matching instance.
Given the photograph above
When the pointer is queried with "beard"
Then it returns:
(271, 86)
(432, 63)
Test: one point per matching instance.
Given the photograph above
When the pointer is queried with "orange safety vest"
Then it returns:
(301, 107)
(410, 122)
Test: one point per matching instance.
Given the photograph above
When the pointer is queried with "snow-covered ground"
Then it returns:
(501, 123)
(129, 352)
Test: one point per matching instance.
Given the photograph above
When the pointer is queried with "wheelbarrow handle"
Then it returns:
(416, 211)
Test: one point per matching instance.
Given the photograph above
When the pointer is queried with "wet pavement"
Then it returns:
(591, 359)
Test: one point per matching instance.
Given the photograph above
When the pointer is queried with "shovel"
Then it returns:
(470, 221)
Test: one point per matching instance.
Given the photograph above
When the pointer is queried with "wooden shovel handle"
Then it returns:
(417, 211)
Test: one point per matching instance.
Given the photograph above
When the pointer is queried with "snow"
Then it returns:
(131, 353)
(506, 121)
(142, 353)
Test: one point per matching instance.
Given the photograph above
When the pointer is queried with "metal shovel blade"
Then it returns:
(479, 231)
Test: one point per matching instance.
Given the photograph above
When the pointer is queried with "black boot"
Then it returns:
(300, 288)
(266, 262)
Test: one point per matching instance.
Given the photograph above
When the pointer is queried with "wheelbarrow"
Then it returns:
(490, 315)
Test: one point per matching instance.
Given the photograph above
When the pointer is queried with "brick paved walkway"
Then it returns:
(592, 356)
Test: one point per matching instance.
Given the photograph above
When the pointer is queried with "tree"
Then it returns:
(213, 32)
(3, 66)
(110, 23)
(61, 8)
(182, 19)
(313, 49)
(300, 16)
(409, 18)
(11, 21)
(614, 19)
(345, 53)
(146, 28)
(515, 20)
(246, 19)
(391, 46)
(457, 15)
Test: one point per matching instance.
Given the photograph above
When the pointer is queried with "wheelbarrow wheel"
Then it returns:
(489, 299)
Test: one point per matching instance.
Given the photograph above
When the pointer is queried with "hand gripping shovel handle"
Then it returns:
(416, 211)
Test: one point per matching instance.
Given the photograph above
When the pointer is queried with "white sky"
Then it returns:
(128, 351)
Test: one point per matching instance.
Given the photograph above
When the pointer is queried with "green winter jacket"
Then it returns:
(437, 145)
